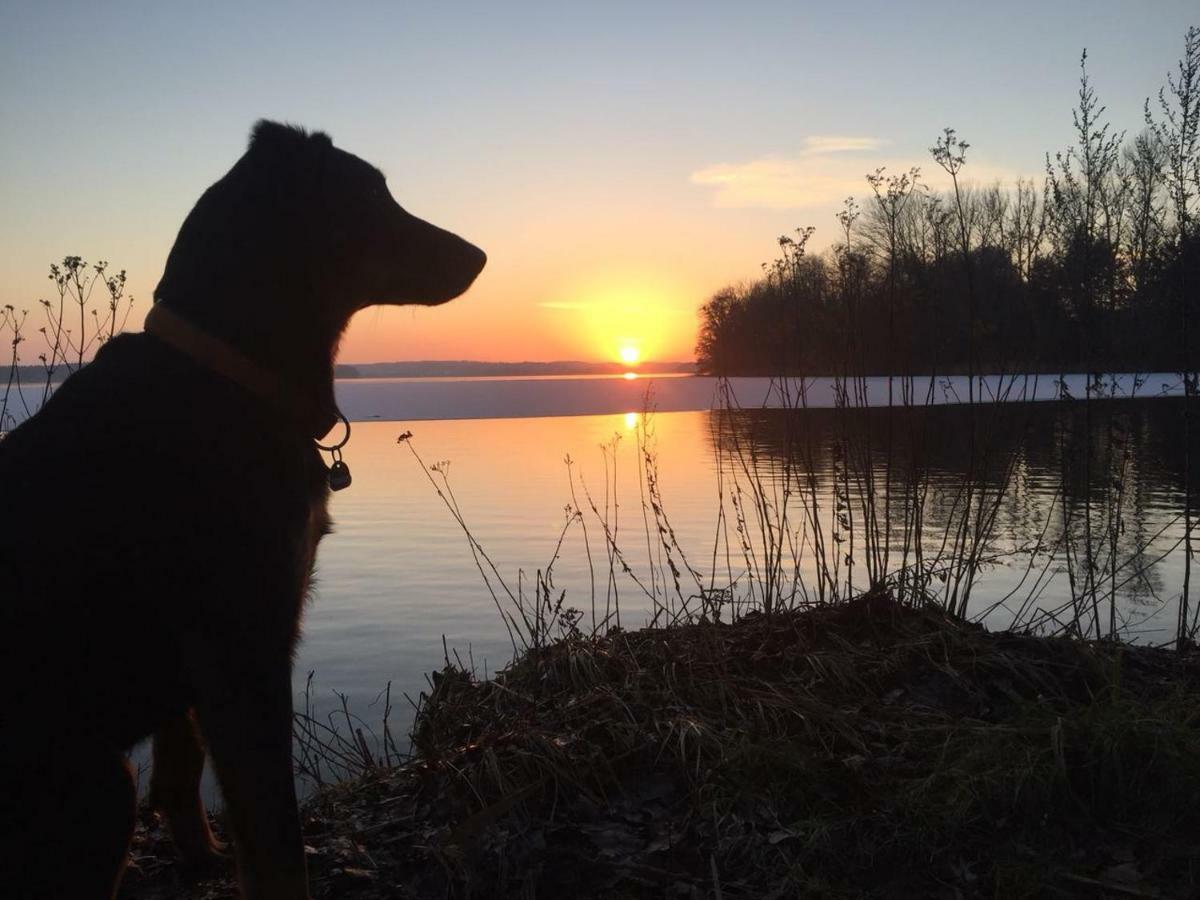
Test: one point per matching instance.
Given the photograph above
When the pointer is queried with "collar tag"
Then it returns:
(339, 472)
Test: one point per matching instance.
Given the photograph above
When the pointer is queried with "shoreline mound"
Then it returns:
(864, 750)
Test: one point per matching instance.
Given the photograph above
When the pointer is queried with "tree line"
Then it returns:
(1092, 268)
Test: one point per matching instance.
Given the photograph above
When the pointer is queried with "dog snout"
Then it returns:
(454, 265)
(474, 259)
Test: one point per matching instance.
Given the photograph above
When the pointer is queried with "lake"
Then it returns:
(400, 583)
(398, 580)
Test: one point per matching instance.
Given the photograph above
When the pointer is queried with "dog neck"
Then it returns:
(311, 405)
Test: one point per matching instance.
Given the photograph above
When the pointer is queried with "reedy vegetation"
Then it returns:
(1092, 271)
(73, 325)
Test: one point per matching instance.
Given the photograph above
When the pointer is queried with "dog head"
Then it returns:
(300, 224)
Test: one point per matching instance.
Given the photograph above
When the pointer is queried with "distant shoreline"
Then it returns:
(469, 368)
(450, 368)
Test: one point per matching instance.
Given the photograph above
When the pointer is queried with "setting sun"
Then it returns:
(630, 354)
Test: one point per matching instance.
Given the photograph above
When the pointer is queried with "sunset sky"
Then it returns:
(618, 163)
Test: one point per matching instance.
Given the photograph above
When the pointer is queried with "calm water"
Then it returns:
(398, 576)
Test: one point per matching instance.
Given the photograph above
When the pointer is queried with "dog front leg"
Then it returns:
(247, 722)
(175, 790)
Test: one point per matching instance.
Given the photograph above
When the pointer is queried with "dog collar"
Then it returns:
(216, 355)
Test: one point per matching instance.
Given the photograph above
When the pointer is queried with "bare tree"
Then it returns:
(1179, 132)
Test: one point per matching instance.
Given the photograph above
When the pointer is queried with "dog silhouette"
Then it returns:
(161, 516)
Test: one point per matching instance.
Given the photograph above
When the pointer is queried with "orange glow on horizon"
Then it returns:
(601, 312)
(627, 311)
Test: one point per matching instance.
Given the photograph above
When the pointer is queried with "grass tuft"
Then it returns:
(869, 749)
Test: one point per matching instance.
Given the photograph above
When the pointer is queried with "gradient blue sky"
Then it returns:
(619, 162)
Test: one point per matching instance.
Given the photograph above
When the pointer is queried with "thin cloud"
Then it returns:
(840, 143)
(778, 183)
(563, 304)
(822, 175)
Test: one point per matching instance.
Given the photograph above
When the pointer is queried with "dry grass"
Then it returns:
(863, 750)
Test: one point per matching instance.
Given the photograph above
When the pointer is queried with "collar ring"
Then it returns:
(333, 448)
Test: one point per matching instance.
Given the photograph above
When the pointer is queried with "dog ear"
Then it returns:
(269, 138)
(236, 211)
